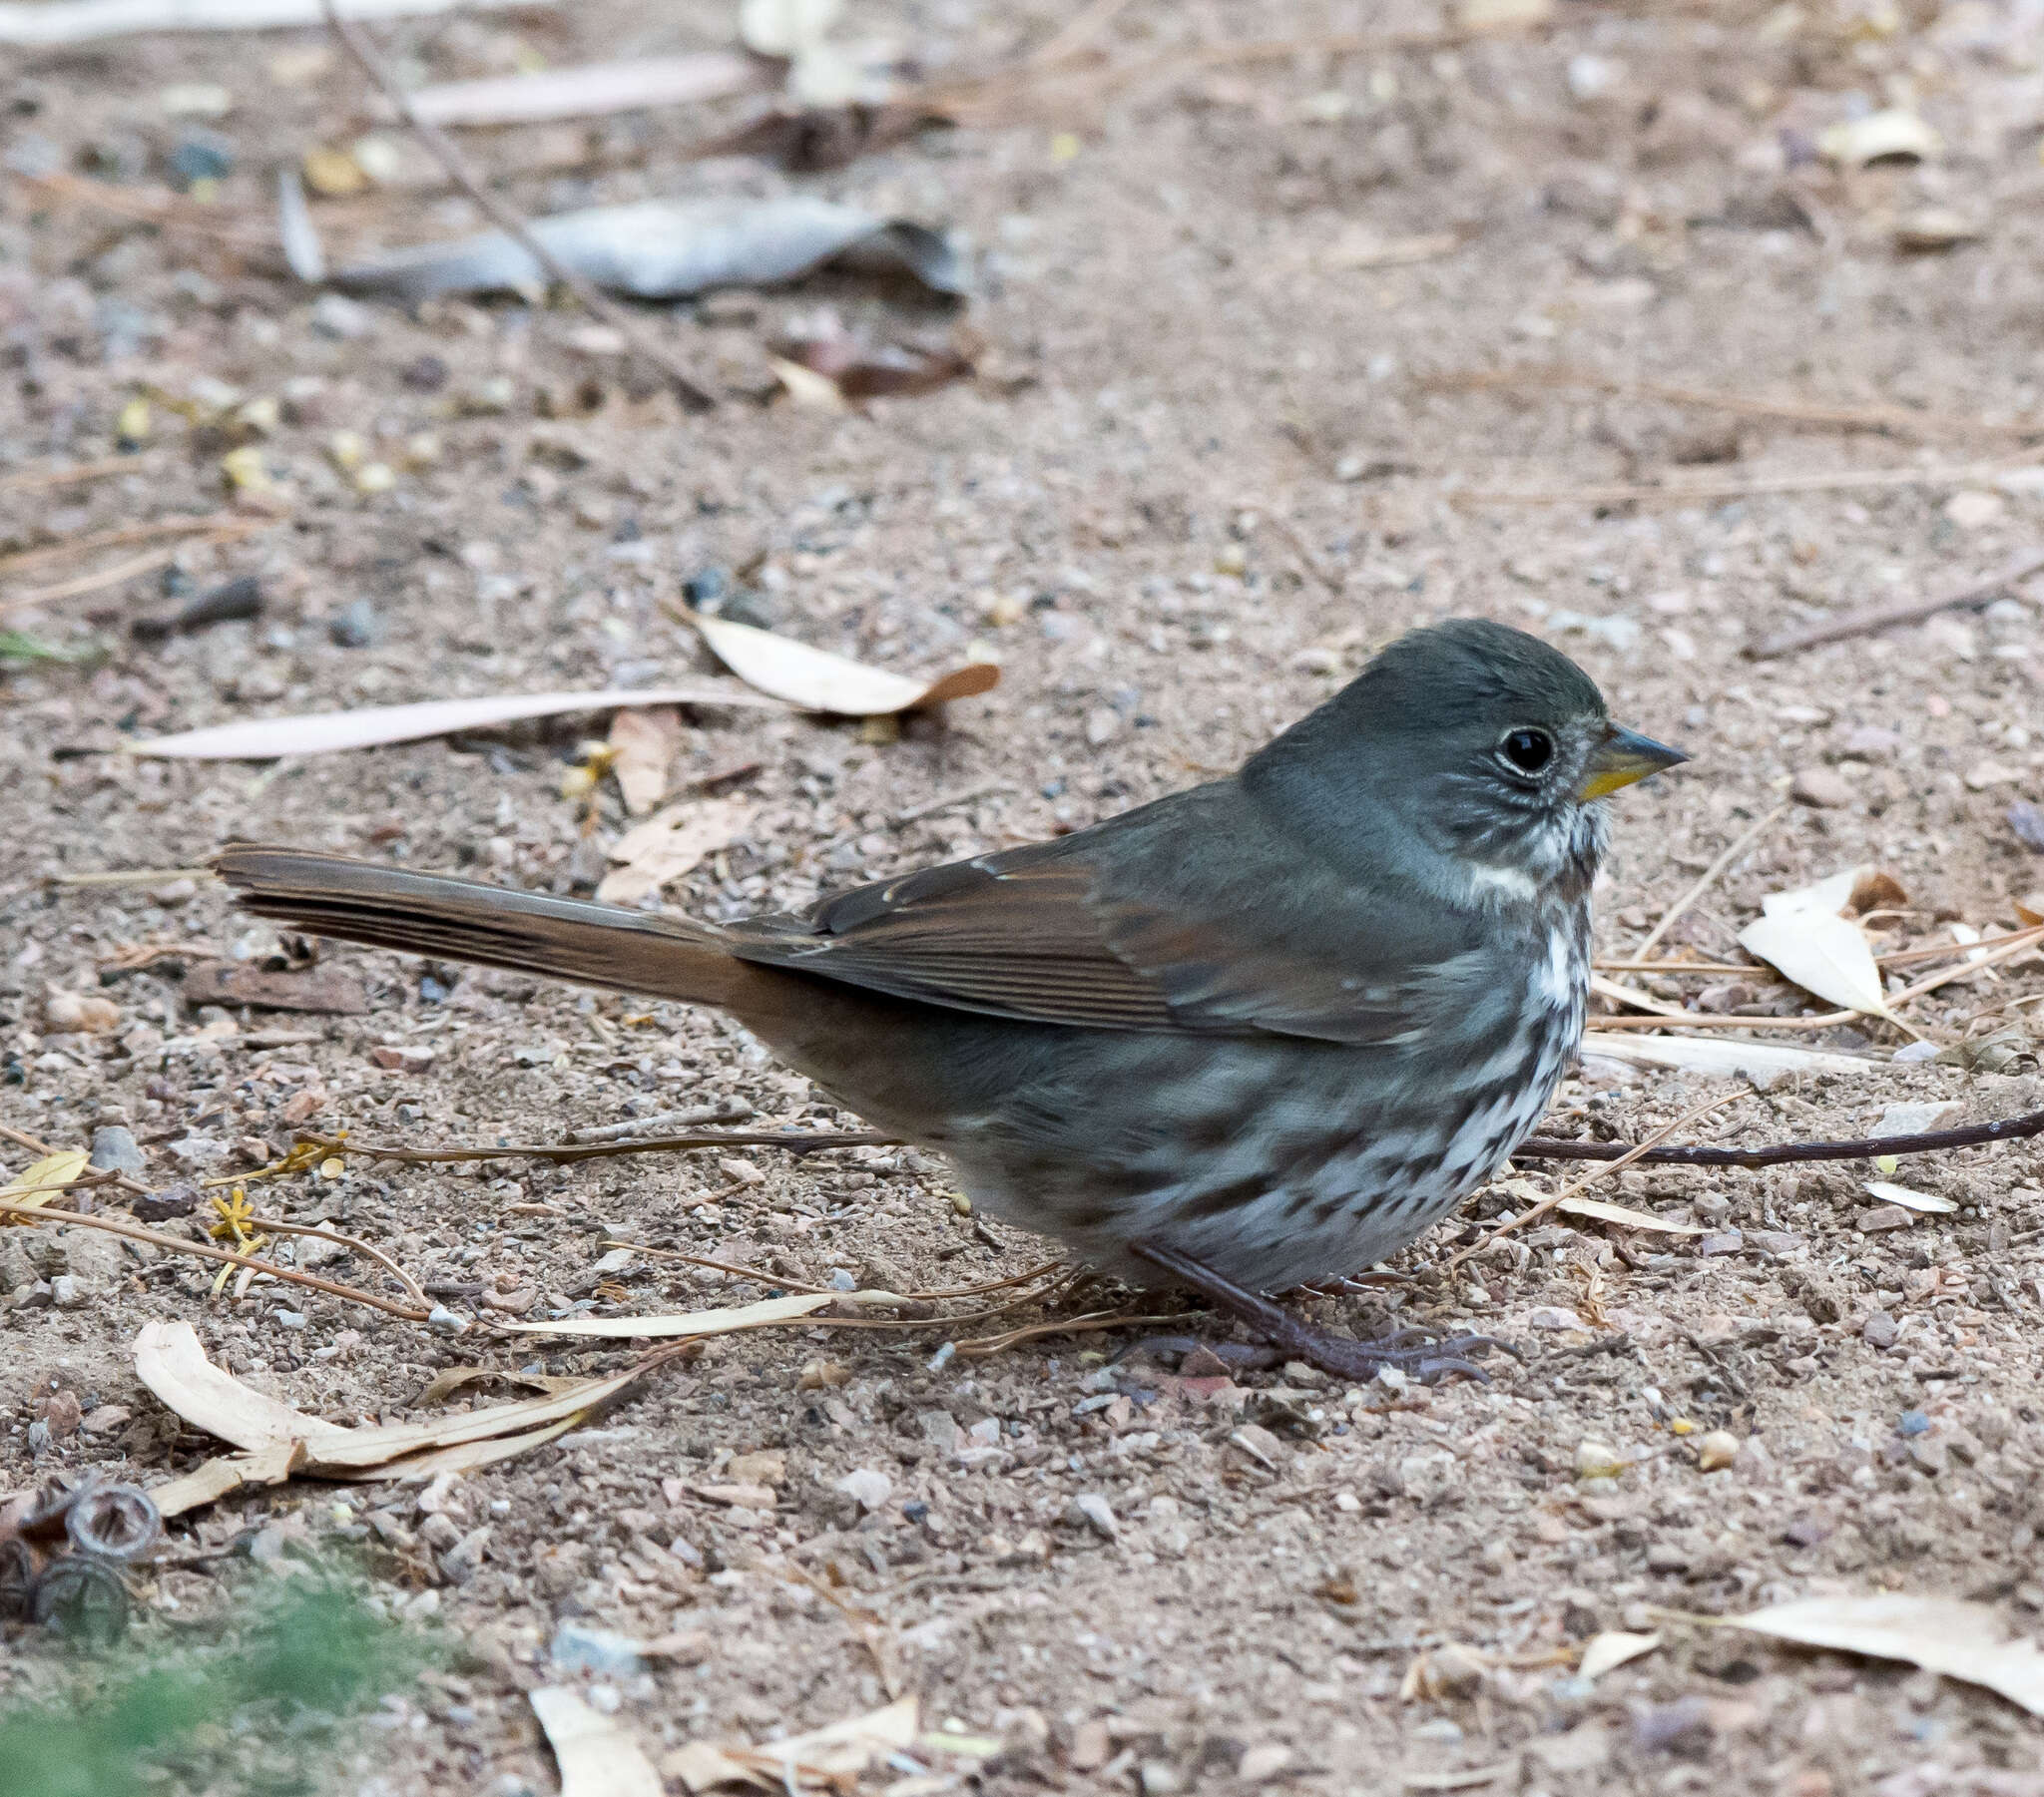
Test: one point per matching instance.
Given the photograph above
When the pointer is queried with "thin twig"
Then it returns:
(1914, 611)
(1709, 491)
(1707, 879)
(1893, 420)
(122, 536)
(463, 173)
(276, 1225)
(117, 574)
(35, 480)
(33, 1214)
(792, 1140)
(1867, 1147)
(1085, 1324)
(1623, 1159)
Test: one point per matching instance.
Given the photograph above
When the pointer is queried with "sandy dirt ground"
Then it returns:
(1220, 448)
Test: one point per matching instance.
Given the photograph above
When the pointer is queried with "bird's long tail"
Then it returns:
(464, 920)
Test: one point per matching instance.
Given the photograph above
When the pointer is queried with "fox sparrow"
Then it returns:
(1257, 1034)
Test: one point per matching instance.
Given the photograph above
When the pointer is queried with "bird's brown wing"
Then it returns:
(1099, 931)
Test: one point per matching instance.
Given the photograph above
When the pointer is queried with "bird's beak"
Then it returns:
(1623, 757)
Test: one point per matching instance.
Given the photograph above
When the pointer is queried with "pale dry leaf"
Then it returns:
(596, 1756)
(1909, 1197)
(664, 249)
(303, 254)
(1894, 134)
(1365, 250)
(1604, 1212)
(213, 1479)
(670, 843)
(817, 681)
(588, 90)
(1941, 1635)
(1760, 1062)
(806, 388)
(1821, 952)
(1609, 1649)
(842, 1750)
(324, 732)
(1833, 894)
(726, 1321)
(697, 1766)
(644, 744)
(784, 28)
(171, 1361)
(51, 1171)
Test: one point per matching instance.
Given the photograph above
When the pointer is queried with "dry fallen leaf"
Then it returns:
(806, 388)
(830, 1758)
(1605, 1212)
(665, 249)
(670, 843)
(643, 745)
(1941, 1635)
(324, 732)
(1821, 952)
(1606, 1652)
(857, 369)
(171, 1361)
(596, 1756)
(1760, 1062)
(1909, 1197)
(726, 1321)
(817, 681)
(588, 90)
(52, 1171)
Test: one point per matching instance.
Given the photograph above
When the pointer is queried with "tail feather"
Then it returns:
(491, 926)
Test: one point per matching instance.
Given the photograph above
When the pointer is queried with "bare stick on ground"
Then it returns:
(1911, 610)
(463, 173)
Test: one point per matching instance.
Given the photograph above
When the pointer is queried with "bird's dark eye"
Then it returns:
(1528, 750)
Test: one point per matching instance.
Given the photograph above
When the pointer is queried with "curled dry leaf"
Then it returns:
(596, 1756)
(818, 681)
(1609, 1649)
(324, 732)
(303, 254)
(831, 1757)
(1941, 1635)
(1909, 1197)
(663, 248)
(670, 843)
(171, 1361)
(1894, 134)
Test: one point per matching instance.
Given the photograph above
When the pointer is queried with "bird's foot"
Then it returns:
(1419, 1353)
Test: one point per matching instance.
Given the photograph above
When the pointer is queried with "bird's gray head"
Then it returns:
(1483, 743)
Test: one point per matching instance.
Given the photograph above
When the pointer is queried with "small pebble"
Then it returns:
(1879, 1330)
(344, 319)
(869, 1486)
(355, 626)
(1091, 1508)
(1598, 1459)
(201, 155)
(1912, 1422)
(1717, 1451)
(1822, 787)
(579, 1649)
(1884, 1216)
(115, 1149)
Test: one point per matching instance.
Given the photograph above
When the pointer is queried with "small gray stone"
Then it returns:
(577, 1647)
(941, 1429)
(198, 1151)
(1884, 1216)
(115, 1150)
(1879, 1330)
(1091, 1508)
(1915, 1117)
(67, 1291)
(1824, 788)
(337, 316)
(355, 626)
(1723, 1242)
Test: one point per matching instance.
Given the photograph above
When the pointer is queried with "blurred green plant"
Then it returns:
(18, 646)
(254, 1705)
